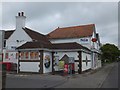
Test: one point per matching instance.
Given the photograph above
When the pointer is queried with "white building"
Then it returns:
(34, 52)
(83, 35)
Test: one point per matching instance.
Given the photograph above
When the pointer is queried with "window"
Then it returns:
(22, 55)
(26, 55)
(36, 55)
(6, 56)
(31, 55)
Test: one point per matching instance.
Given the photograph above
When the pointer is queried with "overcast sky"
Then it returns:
(47, 16)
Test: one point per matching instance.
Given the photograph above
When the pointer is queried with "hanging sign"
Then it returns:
(94, 39)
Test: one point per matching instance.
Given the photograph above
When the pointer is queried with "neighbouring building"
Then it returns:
(73, 48)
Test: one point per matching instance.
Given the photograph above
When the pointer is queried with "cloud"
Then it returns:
(45, 17)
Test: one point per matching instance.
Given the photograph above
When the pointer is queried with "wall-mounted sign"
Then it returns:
(61, 65)
(94, 39)
(47, 61)
(84, 40)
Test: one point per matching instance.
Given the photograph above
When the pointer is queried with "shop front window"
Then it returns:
(34, 55)
(22, 55)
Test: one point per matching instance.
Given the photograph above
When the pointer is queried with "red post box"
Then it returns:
(8, 65)
(66, 69)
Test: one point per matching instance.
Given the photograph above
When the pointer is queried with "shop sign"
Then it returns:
(84, 40)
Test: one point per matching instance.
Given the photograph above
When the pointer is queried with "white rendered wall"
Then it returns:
(47, 70)
(12, 41)
(84, 66)
(76, 66)
(18, 35)
(29, 66)
(78, 40)
(11, 56)
(69, 54)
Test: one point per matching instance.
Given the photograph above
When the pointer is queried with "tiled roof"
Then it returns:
(8, 33)
(35, 44)
(36, 35)
(40, 44)
(72, 32)
(72, 45)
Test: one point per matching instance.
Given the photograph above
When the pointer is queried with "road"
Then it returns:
(34, 81)
(106, 77)
(112, 79)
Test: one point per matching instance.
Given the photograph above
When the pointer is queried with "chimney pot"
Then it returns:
(19, 14)
(22, 13)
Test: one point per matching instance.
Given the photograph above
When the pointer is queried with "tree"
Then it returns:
(110, 53)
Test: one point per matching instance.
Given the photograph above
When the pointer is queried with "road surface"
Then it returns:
(112, 79)
(106, 77)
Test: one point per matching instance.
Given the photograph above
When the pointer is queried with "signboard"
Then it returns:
(84, 40)
(61, 65)
(47, 61)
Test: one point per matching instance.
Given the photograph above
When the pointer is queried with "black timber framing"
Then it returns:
(18, 61)
(53, 71)
(41, 61)
(80, 62)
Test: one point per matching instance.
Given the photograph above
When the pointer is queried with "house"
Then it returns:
(83, 35)
(37, 53)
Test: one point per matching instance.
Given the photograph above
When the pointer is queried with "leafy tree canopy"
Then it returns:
(110, 52)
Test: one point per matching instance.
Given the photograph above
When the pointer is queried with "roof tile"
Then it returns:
(72, 32)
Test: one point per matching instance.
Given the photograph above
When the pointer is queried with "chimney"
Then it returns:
(19, 14)
(22, 13)
(20, 21)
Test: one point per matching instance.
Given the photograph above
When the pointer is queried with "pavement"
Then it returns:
(91, 79)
